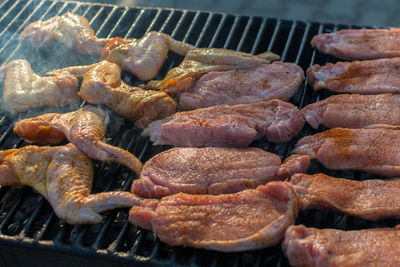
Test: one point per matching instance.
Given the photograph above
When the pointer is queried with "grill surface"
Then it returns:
(27, 222)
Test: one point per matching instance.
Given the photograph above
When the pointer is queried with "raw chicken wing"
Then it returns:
(23, 89)
(72, 30)
(63, 175)
(85, 128)
(103, 85)
(142, 57)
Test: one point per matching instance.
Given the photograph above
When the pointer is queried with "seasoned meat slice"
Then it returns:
(63, 175)
(372, 150)
(354, 111)
(85, 128)
(368, 77)
(24, 89)
(329, 247)
(213, 170)
(236, 125)
(370, 199)
(360, 44)
(261, 83)
(251, 219)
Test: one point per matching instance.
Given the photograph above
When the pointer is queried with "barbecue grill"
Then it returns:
(31, 234)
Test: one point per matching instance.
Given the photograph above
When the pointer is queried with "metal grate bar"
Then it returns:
(319, 95)
(13, 23)
(288, 42)
(121, 15)
(245, 33)
(52, 6)
(156, 20)
(302, 44)
(301, 104)
(223, 21)
(191, 27)
(231, 31)
(6, 5)
(102, 31)
(14, 208)
(274, 35)
(32, 218)
(259, 34)
(7, 17)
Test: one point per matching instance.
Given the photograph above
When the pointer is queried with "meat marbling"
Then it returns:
(370, 199)
(354, 111)
(213, 170)
(251, 219)
(372, 150)
(329, 247)
(236, 125)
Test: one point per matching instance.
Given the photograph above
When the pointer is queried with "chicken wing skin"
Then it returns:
(85, 128)
(63, 175)
(71, 29)
(23, 89)
(203, 60)
(103, 85)
(142, 57)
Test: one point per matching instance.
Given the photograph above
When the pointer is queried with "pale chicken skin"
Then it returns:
(63, 175)
(85, 128)
(371, 150)
(371, 199)
(213, 171)
(23, 89)
(200, 61)
(360, 44)
(71, 29)
(103, 85)
(354, 111)
(261, 83)
(142, 57)
(307, 247)
(368, 77)
(251, 219)
(236, 125)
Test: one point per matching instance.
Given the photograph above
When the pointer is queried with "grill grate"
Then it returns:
(27, 222)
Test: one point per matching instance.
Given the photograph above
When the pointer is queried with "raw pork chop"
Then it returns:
(213, 170)
(261, 83)
(228, 125)
(370, 150)
(361, 77)
(360, 44)
(354, 111)
(329, 247)
(251, 219)
(369, 199)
